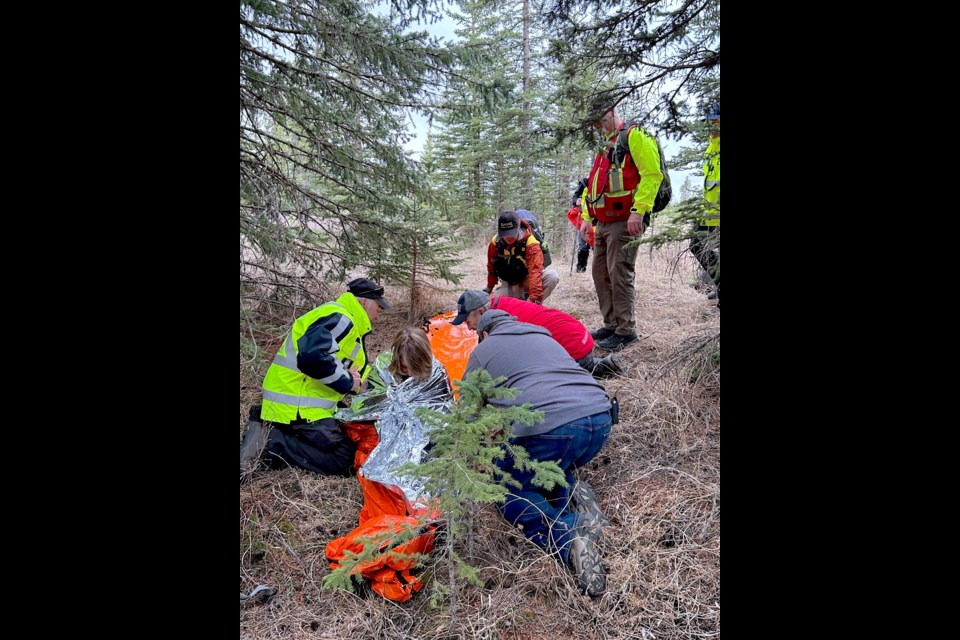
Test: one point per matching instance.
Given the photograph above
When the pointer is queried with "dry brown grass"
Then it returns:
(658, 480)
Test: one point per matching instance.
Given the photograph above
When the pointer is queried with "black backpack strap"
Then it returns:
(623, 145)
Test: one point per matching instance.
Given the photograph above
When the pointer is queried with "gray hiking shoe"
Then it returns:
(583, 500)
(254, 439)
(584, 560)
(608, 367)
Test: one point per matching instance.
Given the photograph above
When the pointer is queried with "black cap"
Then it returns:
(366, 288)
(508, 225)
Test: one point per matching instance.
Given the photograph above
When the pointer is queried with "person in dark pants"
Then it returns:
(322, 359)
(703, 244)
(577, 215)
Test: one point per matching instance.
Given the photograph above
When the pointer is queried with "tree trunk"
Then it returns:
(526, 174)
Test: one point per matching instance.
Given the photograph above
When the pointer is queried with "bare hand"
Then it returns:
(635, 225)
(356, 381)
(585, 231)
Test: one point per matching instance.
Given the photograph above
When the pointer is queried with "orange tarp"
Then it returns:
(452, 345)
(385, 507)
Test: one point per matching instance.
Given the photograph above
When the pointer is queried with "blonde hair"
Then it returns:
(411, 347)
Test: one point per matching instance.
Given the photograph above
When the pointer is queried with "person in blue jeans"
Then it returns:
(575, 427)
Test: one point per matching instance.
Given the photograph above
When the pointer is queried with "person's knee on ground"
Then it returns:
(320, 447)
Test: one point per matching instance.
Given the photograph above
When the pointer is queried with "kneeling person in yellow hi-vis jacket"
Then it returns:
(322, 360)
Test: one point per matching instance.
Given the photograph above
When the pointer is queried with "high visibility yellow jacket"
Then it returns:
(309, 374)
(614, 189)
(711, 182)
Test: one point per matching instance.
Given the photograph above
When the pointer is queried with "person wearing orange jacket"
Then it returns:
(514, 257)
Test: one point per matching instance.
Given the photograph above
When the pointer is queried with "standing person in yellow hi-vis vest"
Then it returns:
(702, 246)
(620, 195)
(322, 360)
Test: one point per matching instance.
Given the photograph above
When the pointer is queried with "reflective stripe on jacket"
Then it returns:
(614, 188)
(711, 182)
(309, 374)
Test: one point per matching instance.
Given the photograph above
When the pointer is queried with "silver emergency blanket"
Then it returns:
(403, 436)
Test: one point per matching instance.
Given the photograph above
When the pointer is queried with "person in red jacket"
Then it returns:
(577, 215)
(565, 329)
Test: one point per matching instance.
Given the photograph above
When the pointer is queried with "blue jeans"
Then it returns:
(545, 516)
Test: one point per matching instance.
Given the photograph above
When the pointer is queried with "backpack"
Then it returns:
(663, 195)
(523, 214)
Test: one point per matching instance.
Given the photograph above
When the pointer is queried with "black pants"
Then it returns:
(702, 247)
(319, 446)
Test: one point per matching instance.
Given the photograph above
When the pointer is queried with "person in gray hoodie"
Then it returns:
(576, 424)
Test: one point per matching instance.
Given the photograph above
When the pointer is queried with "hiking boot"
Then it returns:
(712, 295)
(616, 342)
(607, 367)
(584, 500)
(601, 333)
(254, 439)
(584, 561)
(589, 362)
(582, 257)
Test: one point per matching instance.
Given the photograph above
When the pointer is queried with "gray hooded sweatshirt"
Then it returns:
(550, 380)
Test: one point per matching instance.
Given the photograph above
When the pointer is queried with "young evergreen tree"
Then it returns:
(462, 471)
(461, 474)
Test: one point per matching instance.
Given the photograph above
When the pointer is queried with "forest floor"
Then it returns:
(657, 479)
